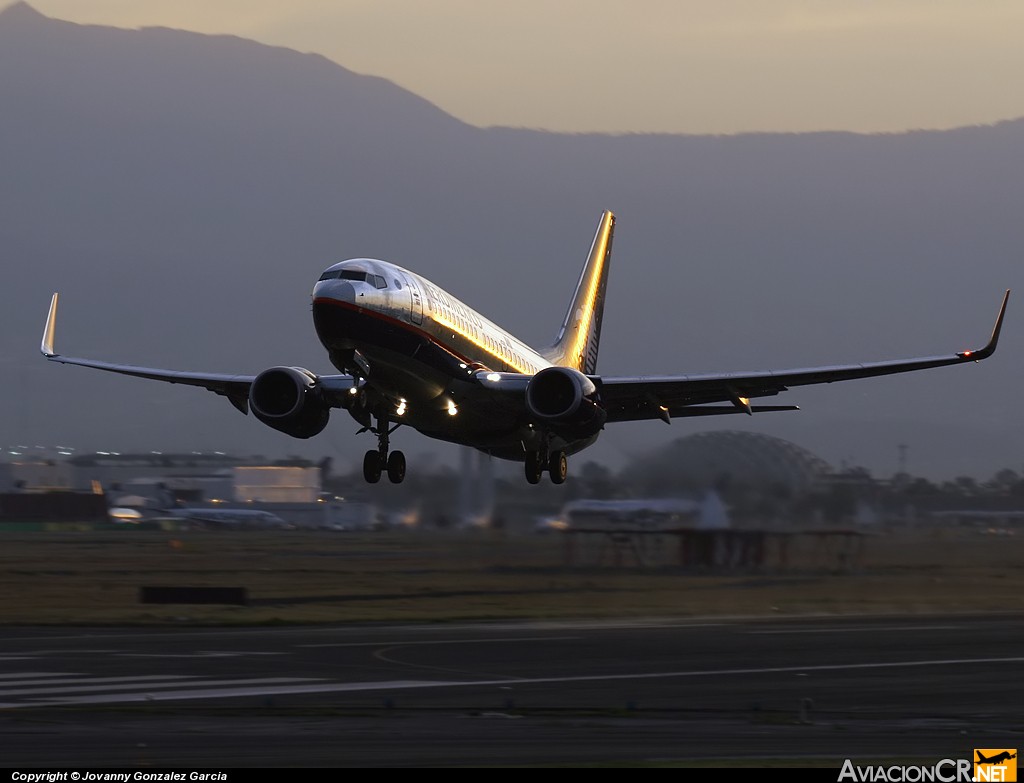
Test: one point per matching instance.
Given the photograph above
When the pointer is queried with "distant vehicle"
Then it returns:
(412, 353)
(650, 514)
(550, 525)
(231, 517)
(126, 515)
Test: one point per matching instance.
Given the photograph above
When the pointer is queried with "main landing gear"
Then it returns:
(555, 463)
(375, 463)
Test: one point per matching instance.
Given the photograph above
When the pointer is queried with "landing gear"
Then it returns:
(555, 463)
(396, 467)
(371, 467)
(558, 467)
(534, 467)
(375, 463)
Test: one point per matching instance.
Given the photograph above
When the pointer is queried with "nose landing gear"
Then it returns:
(375, 463)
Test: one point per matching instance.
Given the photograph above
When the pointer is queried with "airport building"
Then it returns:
(165, 481)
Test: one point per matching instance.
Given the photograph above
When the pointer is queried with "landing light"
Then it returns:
(493, 377)
(400, 410)
(452, 410)
(353, 391)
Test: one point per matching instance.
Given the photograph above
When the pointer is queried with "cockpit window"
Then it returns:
(379, 281)
(350, 274)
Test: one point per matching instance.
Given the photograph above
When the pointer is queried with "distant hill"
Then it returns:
(184, 191)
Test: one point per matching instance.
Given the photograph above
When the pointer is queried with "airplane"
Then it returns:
(411, 353)
(229, 517)
(999, 757)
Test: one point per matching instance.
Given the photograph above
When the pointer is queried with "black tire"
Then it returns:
(372, 467)
(396, 467)
(534, 467)
(558, 467)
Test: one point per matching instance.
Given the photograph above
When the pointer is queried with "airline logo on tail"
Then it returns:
(997, 764)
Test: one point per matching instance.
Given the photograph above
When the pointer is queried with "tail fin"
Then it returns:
(578, 340)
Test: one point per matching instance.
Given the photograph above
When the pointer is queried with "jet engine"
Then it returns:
(565, 399)
(287, 399)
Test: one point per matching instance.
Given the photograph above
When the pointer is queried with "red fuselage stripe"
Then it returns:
(323, 300)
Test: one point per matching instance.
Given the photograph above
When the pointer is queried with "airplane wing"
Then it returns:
(234, 387)
(664, 397)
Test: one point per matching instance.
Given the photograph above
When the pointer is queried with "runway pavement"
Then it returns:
(525, 693)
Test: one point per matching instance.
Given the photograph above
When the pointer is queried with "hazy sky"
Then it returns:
(681, 66)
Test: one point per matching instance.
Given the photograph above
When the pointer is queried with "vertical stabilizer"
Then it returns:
(578, 340)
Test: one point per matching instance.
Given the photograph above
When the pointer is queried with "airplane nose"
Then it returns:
(345, 292)
(340, 290)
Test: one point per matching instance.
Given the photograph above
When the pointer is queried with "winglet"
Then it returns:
(46, 346)
(990, 348)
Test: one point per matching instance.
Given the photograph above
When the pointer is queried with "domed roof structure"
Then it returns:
(730, 458)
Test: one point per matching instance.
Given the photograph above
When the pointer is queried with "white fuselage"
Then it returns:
(415, 302)
(419, 345)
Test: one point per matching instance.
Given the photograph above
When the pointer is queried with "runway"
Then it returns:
(519, 693)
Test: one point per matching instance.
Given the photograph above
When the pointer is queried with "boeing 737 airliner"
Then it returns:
(411, 353)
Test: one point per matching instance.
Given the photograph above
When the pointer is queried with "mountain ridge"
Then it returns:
(183, 191)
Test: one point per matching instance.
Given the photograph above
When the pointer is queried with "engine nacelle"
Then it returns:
(566, 399)
(286, 398)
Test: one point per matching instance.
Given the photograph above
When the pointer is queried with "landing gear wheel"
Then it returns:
(372, 467)
(534, 467)
(396, 467)
(558, 467)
